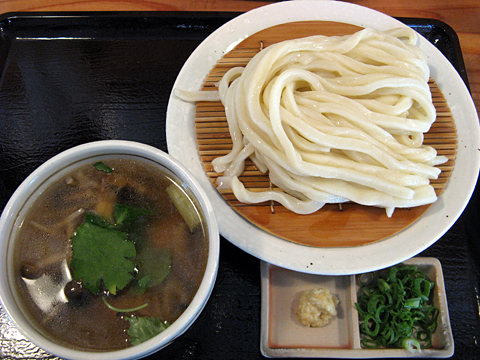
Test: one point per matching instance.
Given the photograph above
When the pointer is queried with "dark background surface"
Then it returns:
(68, 80)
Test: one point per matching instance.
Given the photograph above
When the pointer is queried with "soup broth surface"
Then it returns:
(61, 305)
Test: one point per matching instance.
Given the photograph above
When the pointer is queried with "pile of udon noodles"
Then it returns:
(332, 119)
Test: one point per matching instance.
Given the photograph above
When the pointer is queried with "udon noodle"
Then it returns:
(331, 119)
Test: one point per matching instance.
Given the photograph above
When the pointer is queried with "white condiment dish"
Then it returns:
(282, 334)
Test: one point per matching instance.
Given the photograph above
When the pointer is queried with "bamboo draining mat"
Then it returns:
(329, 227)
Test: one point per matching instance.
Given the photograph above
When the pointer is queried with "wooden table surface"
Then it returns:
(462, 15)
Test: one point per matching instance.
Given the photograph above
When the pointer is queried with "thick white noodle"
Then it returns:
(332, 119)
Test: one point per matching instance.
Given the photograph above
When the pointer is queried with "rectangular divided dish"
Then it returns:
(282, 335)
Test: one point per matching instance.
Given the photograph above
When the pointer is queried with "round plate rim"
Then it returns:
(181, 142)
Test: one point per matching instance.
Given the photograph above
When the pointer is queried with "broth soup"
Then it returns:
(110, 255)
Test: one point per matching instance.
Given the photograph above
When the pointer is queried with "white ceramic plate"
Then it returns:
(282, 335)
(182, 144)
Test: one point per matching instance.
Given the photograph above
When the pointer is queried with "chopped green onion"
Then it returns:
(365, 279)
(383, 285)
(412, 303)
(409, 344)
(184, 205)
(396, 310)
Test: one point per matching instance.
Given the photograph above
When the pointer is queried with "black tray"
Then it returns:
(71, 78)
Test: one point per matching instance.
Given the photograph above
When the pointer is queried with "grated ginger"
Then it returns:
(316, 307)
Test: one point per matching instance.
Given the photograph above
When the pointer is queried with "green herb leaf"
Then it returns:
(102, 254)
(144, 328)
(143, 282)
(125, 214)
(100, 166)
(153, 266)
(97, 220)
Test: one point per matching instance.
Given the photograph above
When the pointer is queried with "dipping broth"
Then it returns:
(142, 205)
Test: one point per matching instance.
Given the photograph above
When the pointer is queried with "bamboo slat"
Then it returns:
(353, 224)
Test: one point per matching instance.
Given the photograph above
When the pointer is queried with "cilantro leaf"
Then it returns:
(102, 254)
(100, 166)
(125, 214)
(144, 328)
(97, 220)
(143, 282)
(153, 267)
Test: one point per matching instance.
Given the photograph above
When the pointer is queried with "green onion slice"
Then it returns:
(396, 309)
